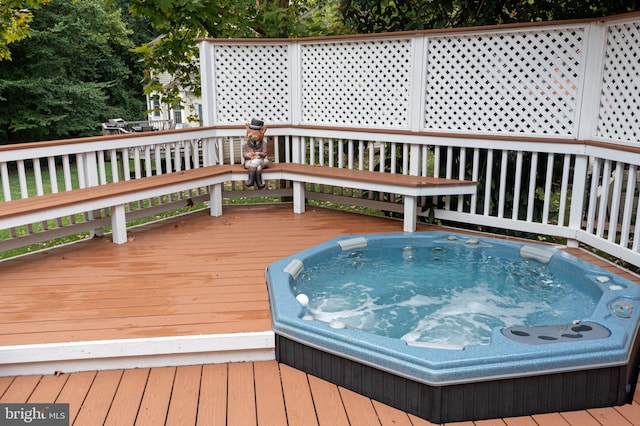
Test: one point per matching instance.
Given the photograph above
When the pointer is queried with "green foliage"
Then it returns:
(15, 18)
(367, 16)
(175, 52)
(70, 75)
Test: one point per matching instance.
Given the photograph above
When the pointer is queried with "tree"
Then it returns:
(15, 17)
(175, 52)
(373, 16)
(69, 76)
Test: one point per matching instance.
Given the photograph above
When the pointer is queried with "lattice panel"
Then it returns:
(362, 84)
(619, 116)
(516, 82)
(252, 81)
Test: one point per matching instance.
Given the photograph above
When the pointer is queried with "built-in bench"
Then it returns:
(409, 186)
(116, 195)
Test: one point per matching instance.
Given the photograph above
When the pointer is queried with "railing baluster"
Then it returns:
(360, 155)
(157, 152)
(148, 169)
(22, 179)
(502, 192)
(532, 196)
(448, 175)
(102, 169)
(628, 205)
(126, 169)
(474, 177)
(487, 183)
(615, 202)
(332, 155)
(515, 210)
(548, 195)
(137, 167)
(394, 158)
(405, 159)
(603, 198)
(37, 174)
(53, 178)
(564, 189)
(115, 172)
(593, 196)
(6, 187)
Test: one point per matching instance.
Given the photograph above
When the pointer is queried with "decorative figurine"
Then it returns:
(254, 152)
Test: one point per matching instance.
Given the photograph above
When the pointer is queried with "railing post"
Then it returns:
(587, 121)
(418, 82)
(207, 82)
(591, 81)
(294, 50)
(579, 186)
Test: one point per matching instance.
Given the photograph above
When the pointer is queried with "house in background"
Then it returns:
(189, 113)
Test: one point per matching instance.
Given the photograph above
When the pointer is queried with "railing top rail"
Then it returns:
(443, 31)
(74, 141)
(398, 135)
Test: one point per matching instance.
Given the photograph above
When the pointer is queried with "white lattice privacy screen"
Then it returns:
(619, 116)
(574, 80)
(517, 82)
(252, 81)
(361, 84)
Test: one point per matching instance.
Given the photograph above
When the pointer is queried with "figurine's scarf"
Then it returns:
(256, 146)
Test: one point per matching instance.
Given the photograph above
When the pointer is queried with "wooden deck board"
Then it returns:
(157, 395)
(360, 410)
(212, 405)
(327, 402)
(189, 276)
(183, 408)
(241, 400)
(97, 403)
(75, 391)
(127, 398)
(297, 397)
(269, 398)
(48, 389)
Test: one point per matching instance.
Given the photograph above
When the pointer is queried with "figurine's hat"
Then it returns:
(256, 124)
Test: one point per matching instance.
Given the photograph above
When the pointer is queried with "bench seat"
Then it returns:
(409, 186)
(117, 195)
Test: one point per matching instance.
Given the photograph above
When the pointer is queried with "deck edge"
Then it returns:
(70, 357)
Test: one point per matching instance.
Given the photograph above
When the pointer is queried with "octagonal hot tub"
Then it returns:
(452, 327)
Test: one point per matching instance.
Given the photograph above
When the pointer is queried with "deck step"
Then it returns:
(71, 357)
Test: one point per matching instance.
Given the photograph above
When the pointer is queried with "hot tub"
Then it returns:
(566, 360)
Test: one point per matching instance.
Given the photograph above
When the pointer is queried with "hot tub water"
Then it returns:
(441, 292)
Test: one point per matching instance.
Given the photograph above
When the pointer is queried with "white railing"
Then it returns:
(577, 191)
(544, 117)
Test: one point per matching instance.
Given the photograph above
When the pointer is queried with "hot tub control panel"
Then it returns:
(543, 334)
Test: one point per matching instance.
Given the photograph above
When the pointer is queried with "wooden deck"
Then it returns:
(250, 393)
(188, 278)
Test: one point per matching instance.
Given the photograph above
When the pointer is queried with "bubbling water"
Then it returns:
(452, 294)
